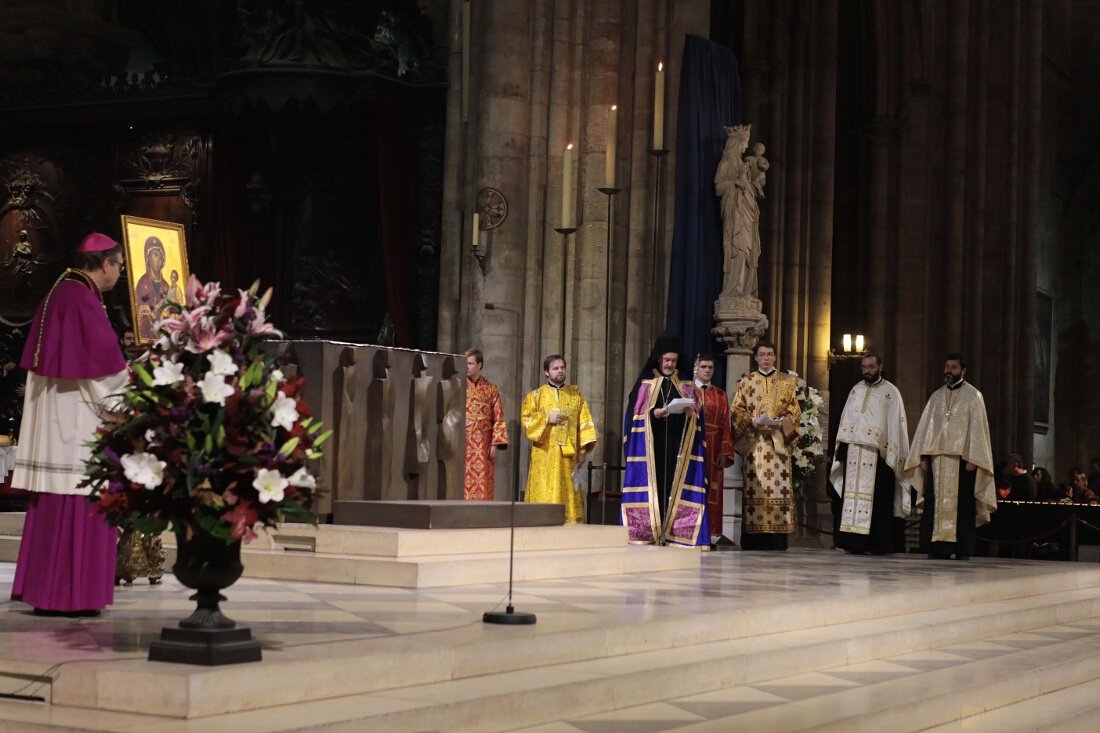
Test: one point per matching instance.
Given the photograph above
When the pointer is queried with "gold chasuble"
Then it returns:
(485, 427)
(769, 490)
(555, 448)
(953, 427)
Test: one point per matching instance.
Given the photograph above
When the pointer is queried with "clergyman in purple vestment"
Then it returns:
(74, 365)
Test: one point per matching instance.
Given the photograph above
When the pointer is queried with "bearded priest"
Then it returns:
(950, 465)
(867, 472)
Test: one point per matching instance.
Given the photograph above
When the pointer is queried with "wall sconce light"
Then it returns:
(490, 211)
(847, 353)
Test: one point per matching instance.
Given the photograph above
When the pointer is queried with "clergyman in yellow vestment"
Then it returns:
(557, 421)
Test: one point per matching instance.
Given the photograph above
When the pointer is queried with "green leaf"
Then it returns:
(142, 374)
(215, 525)
(208, 444)
(295, 511)
(252, 375)
(148, 525)
(221, 436)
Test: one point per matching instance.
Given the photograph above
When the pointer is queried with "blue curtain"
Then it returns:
(710, 100)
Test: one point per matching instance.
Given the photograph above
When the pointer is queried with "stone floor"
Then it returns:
(794, 641)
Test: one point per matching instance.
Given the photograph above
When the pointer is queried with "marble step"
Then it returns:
(1073, 709)
(9, 548)
(403, 543)
(396, 542)
(493, 677)
(11, 523)
(916, 702)
(464, 569)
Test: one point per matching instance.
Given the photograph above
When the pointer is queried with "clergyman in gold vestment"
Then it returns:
(950, 465)
(765, 416)
(557, 421)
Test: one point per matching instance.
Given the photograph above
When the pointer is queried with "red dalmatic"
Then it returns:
(485, 428)
(718, 450)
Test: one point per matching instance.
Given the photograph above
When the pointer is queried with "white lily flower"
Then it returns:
(214, 388)
(221, 363)
(270, 484)
(167, 373)
(144, 468)
(303, 479)
(284, 412)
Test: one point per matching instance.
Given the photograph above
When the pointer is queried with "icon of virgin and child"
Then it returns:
(153, 290)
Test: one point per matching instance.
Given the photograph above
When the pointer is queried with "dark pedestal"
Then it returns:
(445, 514)
(210, 647)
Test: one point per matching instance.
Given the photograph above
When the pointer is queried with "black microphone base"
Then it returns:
(510, 617)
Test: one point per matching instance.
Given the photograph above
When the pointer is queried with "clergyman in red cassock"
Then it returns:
(718, 448)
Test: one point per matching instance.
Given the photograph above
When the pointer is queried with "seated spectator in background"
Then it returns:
(1078, 488)
(1000, 480)
(1018, 483)
(1094, 475)
(1046, 489)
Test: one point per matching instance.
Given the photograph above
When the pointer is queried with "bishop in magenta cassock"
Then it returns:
(74, 365)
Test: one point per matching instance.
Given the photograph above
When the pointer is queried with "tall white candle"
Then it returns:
(475, 238)
(612, 130)
(465, 61)
(659, 108)
(567, 188)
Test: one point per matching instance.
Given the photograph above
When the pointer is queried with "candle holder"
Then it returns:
(658, 156)
(479, 253)
(610, 193)
(564, 232)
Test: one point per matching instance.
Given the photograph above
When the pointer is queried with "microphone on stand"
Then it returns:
(510, 615)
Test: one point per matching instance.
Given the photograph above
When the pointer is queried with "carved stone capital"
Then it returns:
(739, 323)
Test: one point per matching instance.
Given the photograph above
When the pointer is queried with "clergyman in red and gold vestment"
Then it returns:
(718, 449)
(765, 416)
(486, 431)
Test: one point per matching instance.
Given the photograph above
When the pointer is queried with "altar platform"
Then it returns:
(431, 558)
(803, 640)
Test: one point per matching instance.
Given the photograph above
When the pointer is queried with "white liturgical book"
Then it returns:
(680, 404)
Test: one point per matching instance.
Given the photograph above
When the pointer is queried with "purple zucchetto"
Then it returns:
(96, 242)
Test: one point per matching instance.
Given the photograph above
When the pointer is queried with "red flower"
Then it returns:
(242, 517)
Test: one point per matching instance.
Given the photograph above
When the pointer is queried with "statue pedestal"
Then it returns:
(740, 323)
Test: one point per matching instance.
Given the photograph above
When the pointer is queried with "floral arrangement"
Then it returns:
(809, 448)
(209, 433)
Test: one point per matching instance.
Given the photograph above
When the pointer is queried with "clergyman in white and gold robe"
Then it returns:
(950, 466)
(872, 444)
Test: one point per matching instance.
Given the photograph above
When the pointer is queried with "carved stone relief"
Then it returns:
(393, 438)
